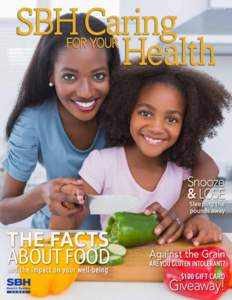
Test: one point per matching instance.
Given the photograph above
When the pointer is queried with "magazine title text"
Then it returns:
(136, 29)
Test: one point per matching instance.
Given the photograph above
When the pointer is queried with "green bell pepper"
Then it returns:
(131, 229)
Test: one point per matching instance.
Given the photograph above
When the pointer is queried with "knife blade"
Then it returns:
(109, 204)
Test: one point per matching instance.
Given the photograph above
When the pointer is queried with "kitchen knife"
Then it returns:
(109, 204)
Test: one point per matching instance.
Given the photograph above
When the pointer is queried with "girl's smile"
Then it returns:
(157, 118)
(81, 79)
(153, 141)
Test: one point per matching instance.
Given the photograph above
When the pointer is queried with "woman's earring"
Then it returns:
(50, 84)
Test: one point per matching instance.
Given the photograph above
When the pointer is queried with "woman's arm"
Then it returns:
(201, 230)
(15, 205)
(170, 229)
(75, 220)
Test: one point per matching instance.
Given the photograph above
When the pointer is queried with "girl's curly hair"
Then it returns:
(205, 100)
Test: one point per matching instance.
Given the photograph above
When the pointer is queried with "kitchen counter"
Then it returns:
(96, 290)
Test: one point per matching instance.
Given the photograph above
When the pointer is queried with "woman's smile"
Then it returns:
(85, 106)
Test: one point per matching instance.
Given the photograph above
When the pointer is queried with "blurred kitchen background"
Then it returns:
(211, 19)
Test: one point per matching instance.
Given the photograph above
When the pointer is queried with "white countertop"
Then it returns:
(95, 290)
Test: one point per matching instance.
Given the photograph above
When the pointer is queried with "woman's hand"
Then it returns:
(171, 226)
(60, 200)
(200, 230)
(76, 191)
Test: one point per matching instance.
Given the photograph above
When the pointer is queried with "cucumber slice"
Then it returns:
(93, 258)
(116, 249)
(115, 260)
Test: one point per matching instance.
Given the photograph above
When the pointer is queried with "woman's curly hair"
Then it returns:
(205, 99)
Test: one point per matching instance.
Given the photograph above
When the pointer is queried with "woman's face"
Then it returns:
(81, 79)
(157, 118)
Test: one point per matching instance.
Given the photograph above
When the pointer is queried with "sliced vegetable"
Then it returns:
(116, 249)
(115, 260)
(131, 229)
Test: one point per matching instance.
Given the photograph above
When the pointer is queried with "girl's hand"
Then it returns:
(170, 225)
(200, 230)
(76, 191)
(60, 202)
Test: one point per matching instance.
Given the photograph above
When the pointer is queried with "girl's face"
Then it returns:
(81, 79)
(157, 118)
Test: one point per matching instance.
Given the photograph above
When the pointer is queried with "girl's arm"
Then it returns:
(171, 226)
(15, 205)
(75, 220)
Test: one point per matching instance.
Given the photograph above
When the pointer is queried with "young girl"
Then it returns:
(156, 119)
(56, 121)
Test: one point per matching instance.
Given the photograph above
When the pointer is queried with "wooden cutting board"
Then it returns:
(139, 266)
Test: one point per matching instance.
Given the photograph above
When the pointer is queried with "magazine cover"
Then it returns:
(115, 167)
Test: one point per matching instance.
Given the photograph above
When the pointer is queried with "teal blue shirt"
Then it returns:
(38, 136)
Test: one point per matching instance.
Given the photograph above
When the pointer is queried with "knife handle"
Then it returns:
(86, 199)
(86, 202)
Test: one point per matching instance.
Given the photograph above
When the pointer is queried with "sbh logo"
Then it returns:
(18, 282)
